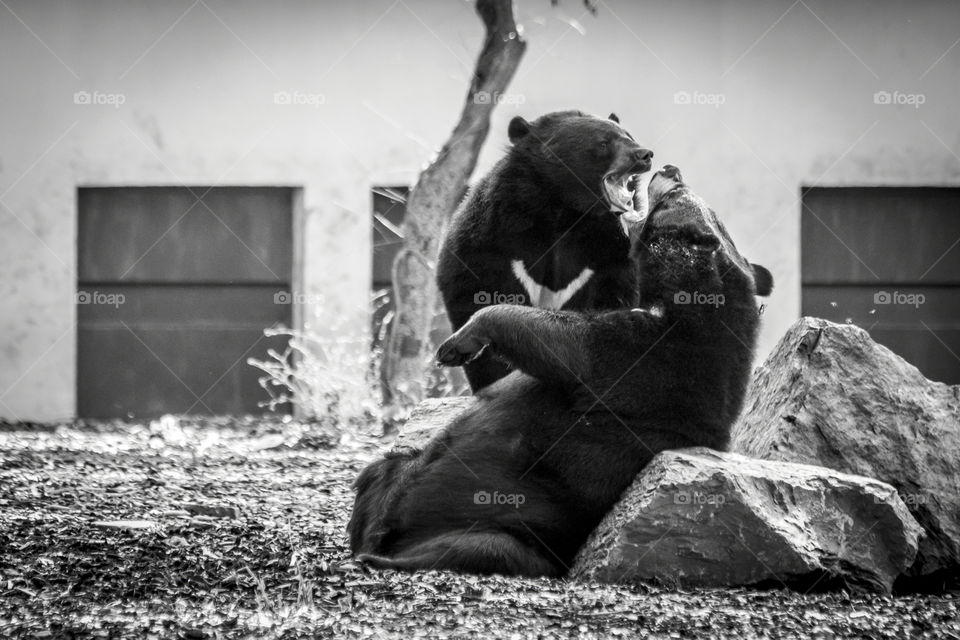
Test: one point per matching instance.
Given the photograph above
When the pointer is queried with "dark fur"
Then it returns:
(595, 397)
(542, 204)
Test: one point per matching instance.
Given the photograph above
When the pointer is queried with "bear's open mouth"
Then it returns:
(626, 195)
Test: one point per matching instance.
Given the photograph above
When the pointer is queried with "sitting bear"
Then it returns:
(542, 227)
(515, 484)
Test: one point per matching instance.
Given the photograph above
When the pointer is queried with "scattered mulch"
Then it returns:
(234, 527)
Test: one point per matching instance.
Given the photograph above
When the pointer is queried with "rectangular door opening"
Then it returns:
(887, 259)
(176, 285)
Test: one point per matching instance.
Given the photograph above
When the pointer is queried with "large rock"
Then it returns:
(829, 395)
(701, 518)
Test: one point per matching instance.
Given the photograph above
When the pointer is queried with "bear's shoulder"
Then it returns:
(509, 199)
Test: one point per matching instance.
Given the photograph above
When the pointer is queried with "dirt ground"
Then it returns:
(237, 531)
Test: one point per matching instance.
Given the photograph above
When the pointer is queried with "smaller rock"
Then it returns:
(212, 510)
(429, 417)
(701, 518)
(124, 524)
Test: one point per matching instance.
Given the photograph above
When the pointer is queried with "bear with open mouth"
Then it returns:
(516, 483)
(545, 227)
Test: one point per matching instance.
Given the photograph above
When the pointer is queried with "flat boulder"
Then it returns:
(429, 417)
(829, 395)
(701, 518)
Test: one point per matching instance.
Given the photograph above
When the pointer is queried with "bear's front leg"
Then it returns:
(551, 345)
(467, 343)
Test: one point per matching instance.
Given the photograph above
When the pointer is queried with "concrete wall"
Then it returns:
(380, 85)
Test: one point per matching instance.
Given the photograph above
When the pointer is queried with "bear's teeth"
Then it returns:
(639, 198)
(619, 198)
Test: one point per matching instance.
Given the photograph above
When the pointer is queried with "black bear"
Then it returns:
(515, 484)
(542, 227)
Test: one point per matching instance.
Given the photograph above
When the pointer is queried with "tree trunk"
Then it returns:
(433, 200)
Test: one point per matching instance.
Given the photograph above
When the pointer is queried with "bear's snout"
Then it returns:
(632, 159)
(643, 158)
(670, 171)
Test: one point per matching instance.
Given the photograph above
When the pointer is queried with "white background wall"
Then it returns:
(198, 79)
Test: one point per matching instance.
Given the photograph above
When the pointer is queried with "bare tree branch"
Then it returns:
(433, 200)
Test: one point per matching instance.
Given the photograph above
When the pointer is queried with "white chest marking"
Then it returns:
(544, 297)
(656, 311)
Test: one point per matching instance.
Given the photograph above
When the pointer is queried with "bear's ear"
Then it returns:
(614, 117)
(763, 280)
(518, 128)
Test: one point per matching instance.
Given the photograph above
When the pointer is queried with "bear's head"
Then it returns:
(592, 164)
(685, 251)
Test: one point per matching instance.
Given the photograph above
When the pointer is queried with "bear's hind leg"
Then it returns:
(468, 552)
(377, 487)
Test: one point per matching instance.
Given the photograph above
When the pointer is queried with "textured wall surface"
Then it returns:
(780, 95)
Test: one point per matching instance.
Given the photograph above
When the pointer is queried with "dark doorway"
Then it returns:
(389, 209)
(887, 259)
(176, 286)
